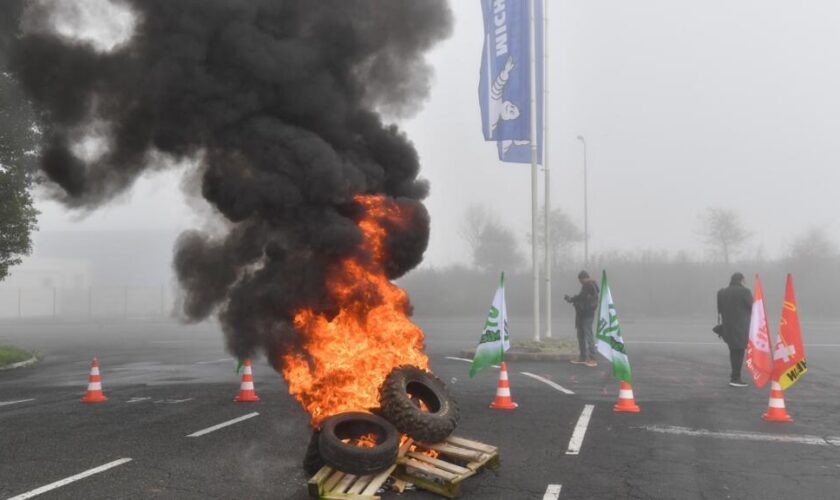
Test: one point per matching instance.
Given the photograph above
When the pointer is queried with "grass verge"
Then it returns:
(10, 355)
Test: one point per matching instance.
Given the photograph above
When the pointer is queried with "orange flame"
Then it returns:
(349, 355)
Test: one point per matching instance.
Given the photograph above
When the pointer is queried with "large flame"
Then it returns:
(348, 356)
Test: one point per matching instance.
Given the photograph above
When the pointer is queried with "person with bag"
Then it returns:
(734, 305)
(585, 304)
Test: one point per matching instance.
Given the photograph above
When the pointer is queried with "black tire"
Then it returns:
(399, 397)
(350, 458)
(312, 461)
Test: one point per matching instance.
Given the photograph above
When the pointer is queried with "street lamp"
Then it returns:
(585, 206)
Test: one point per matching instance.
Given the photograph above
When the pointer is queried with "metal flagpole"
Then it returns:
(546, 142)
(534, 195)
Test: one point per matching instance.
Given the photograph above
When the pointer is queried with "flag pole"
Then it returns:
(534, 195)
(546, 142)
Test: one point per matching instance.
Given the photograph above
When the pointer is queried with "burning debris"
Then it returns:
(276, 103)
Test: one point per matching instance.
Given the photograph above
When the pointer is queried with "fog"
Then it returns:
(684, 107)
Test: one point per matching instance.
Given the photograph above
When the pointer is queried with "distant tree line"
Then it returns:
(649, 283)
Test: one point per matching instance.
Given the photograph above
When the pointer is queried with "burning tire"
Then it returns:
(379, 454)
(401, 395)
(312, 461)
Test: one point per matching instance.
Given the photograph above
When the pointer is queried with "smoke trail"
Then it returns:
(278, 99)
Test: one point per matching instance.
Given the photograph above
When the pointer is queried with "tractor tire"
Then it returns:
(399, 398)
(350, 458)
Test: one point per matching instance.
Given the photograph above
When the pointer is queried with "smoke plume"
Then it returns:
(278, 103)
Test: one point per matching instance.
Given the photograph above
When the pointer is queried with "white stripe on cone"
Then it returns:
(503, 375)
(625, 394)
(774, 386)
(503, 391)
(95, 386)
(94, 370)
(247, 386)
(776, 403)
(247, 370)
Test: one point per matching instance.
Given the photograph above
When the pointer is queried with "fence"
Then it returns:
(88, 303)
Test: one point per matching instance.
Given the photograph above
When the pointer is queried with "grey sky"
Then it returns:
(684, 105)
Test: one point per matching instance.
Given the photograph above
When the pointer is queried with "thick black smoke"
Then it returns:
(278, 98)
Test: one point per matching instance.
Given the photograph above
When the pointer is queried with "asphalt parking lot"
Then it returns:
(694, 438)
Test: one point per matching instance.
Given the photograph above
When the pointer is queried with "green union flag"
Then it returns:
(495, 339)
(608, 334)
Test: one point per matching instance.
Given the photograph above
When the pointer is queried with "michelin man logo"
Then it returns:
(501, 109)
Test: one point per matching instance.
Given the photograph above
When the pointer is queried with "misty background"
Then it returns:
(684, 108)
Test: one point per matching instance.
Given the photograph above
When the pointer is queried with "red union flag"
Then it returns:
(789, 355)
(759, 361)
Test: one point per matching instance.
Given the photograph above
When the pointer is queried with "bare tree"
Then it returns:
(493, 245)
(564, 234)
(813, 244)
(723, 233)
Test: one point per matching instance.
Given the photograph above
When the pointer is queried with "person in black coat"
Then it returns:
(734, 305)
(585, 303)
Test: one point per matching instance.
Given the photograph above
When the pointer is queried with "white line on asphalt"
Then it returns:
(137, 400)
(7, 403)
(580, 430)
(552, 492)
(548, 382)
(71, 479)
(465, 360)
(223, 424)
(222, 360)
(746, 436)
(173, 401)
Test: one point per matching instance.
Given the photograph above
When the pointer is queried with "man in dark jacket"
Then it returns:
(586, 303)
(734, 305)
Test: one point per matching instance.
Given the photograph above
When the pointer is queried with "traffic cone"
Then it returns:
(246, 389)
(776, 406)
(503, 400)
(626, 402)
(94, 389)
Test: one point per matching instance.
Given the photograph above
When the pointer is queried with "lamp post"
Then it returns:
(585, 206)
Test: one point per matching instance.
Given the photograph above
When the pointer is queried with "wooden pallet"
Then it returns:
(331, 484)
(458, 459)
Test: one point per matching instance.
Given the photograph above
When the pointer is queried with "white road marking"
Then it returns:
(173, 401)
(71, 479)
(548, 382)
(215, 361)
(552, 492)
(223, 424)
(137, 400)
(7, 403)
(580, 430)
(453, 358)
(746, 436)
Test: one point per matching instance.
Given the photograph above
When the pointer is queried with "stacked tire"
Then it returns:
(412, 402)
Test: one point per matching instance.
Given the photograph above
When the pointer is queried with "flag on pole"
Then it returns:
(495, 339)
(789, 354)
(505, 82)
(759, 360)
(608, 334)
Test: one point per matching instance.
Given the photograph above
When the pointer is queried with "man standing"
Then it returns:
(585, 303)
(734, 304)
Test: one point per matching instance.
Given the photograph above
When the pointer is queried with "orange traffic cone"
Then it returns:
(94, 390)
(246, 389)
(776, 406)
(503, 400)
(626, 402)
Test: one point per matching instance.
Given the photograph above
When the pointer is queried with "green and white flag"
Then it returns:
(608, 334)
(495, 339)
